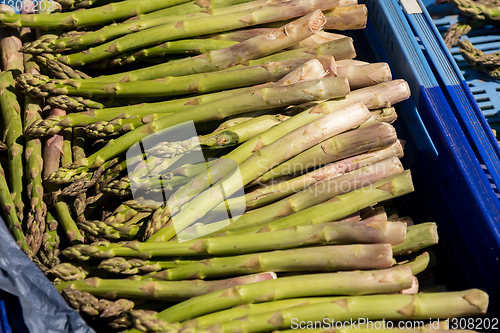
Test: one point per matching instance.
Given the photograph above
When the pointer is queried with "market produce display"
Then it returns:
(213, 166)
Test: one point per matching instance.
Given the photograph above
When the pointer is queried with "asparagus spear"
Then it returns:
(12, 65)
(325, 258)
(94, 16)
(314, 195)
(346, 18)
(419, 263)
(327, 233)
(340, 206)
(173, 85)
(341, 49)
(484, 62)
(53, 124)
(348, 144)
(279, 151)
(135, 266)
(12, 220)
(49, 251)
(115, 230)
(159, 290)
(377, 96)
(266, 195)
(93, 306)
(345, 283)
(457, 30)
(477, 10)
(419, 236)
(259, 99)
(51, 157)
(472, 302)
(34, 164)
(187, 46)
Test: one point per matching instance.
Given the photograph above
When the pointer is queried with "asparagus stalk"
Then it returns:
(51, 157)
(457, 30)
(345, 283)
(34, 165)
(159, 290)
(341, 49)
(135, 266)
(86, 39)
(314, 195)
(53, 124)
(419, 263)
(190, 28)
(348, 144)
(12, 65)
(225, 138)
(472, 302)
(92, 306)
(173, 85)
(346, 18)
(484, 62)
(340, 206)
(279, 151)
(327, 233)
(376, 96)
(187, 46)
(419, 237)
(257, 100)
(477, 10)
(325, 258)
(318, 38)
(266, 195)
(49, 251)
(365, 75)
(115, 231)
(11, 217)
(94, 16)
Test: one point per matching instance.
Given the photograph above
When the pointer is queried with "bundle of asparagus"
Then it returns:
(270, 152)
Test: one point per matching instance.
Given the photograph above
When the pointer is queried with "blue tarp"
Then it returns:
(43, 308)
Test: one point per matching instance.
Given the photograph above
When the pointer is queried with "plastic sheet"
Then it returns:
(43, 308)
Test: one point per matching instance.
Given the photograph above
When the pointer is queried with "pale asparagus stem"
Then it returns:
(318, 38)
(340, 206)
(115, 230)
(190, 28)
(219, 140)
(351, 62)
(34, 165)
(239, 133)
(326, 233)
(365, 75)
(52, 155)
(311, 196)
(419, 236)
(380, 95)
(346, 18)
(11, 112)
(472, 302)
(82, 40)
(340, 49)
(259, 99)
(160, 290)
(272, 193)
(53, 125)
(419, 263)
(346, 283)
(311, 70)
(324, 258)
(351, 17)
(283, 149)
(348, 144)
(88, 17)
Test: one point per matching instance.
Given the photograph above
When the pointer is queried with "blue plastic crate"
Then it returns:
(486, 90)
(4, 319)
(452, 154)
